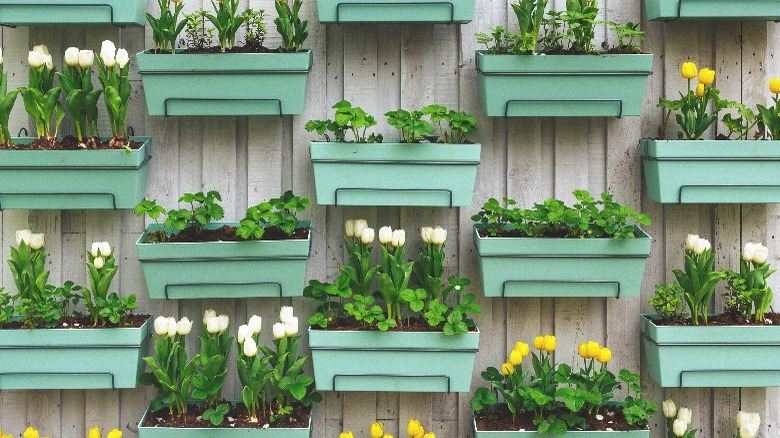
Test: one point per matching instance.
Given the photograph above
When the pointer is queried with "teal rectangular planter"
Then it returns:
(392, 361)
(570, 434)
(250, 269)
(73, 180)
(224, 84)
(712, 171)
(544, 267)
(666, 10)
(395, 174)
(711, 357)
(218, 432)
(562, 85)
(100, 358)
(395, 11)
(73, 12)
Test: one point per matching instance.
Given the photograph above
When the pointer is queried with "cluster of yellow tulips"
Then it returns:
(545, 343)
(516, 356)
(94, 432)
(706, 76)
(413, 428)
(592, 350)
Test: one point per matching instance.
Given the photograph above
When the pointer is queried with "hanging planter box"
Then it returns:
(392, 361)
(396, 11)
(563, 85)
(73, 12)
(101, 358)
(712, 171)
(224, 84)
(549, 267)
(682, 356)
(219, 432)
(248, 269)
(570, 434)
(395, 174)
(666, 10)
(73, 180)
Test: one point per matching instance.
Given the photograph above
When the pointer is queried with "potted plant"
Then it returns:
(572, 78)
(690, 169)
(51, 172)
(591, 249)
(413, 428)
(667, 10)
(228, 79)
(423, 169)
(550, 399)
(679, 345)
(276, 399)
(418, 335)
(46, 344)
(194, 255)
(404, 11)
(73, 12)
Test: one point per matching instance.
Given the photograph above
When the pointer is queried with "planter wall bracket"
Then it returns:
(511, 101)
(27, 376)
(450, 4)
(404, 376)
(256, 283)
(547, 281)
(36, 5)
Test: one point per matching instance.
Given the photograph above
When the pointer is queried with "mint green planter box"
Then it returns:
(570, 434)
(249, 269)
(666, 10)
(711, 357)
(712, 171)
(73, 180)
(73, 12)
(562, 85)
(395, 174)
(545, 267)
(101, 358)
(218, 432)
(392, 361)
(224, 84)
(395, 11)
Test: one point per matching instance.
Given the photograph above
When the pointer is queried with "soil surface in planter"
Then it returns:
(249, 48)
(555, 234)
(225, 234)
(725, 319)
(413, 325)
(237, 417)
(71, 143)
(500, 419)
(85, 322)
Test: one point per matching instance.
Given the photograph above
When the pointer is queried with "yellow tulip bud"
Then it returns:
(515, 358)
(523, 348)
(582, 349)
(549, 343)
(31, 432)
(605, 355)
(346, 435)
(377, 430)
(387, 435)
(94, 433)
(592, 348)
(429, 435)
(688, 70)
(115, 433)
(6, 436)
(707, 76)
(539, 342)
(507, 369)
(700, 90)
(774, 85)
(414, 429)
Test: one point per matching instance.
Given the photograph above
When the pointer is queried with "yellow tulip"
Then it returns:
(414, 429)
(688, 70)
(549, 343)
(429, 435)
(94, 433)
(346, 435)
(115, 433)
(605, 355)
(582, 349)
(523, 348)
(593, 348)
(515, 358)
(707, 76)
(774, 85)
(700, 90)
(539, 342)
(31, 432)
(6, 436)
(507, 369)
(377, 430)
(387, 435)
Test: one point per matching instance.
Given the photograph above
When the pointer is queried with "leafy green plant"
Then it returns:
(668, 302)
(413, 127)
(41, 97)
(278, 212)
(290, 26)
(530, 16)
(254, 25)
(198, 35)
(167, 27)
(628, 34)
(7, 102)
(113, 71)
(580, 21)
(227, 21)
(203, 210)
(348, 119)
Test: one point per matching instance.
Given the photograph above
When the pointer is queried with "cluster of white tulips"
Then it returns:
(389, 236)
(100, 251)
(288, 325)
(696, 244)
(168, 327)
(39, 56)
(215, 324)
(748, 424)
(680, 421)
(433, 235)
(247, 336)
(755, 252)
(32, 240)
(79, 58)
(111, 56)
(358, 229)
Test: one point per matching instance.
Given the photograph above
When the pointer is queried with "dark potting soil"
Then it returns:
(500, 419)
(226, 234)
(237, 417)
(217, 50)
(85, 322)
(71, 143)
(412, 325)
(725, 319)
(517, 233)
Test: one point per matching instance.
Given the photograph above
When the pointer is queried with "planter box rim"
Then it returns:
(642, 235)
(216, 429)
(649, 319)
(178, 53)
(578, 432)
(681, 150)
(325, 330)
(218, 224)
(71, 330)
(484, 52)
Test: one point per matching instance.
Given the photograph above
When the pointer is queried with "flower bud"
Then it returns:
(385, 235)
(507, 369)
(523, 348)
(278, 330)
(414, 429)
(438, 236)
(291, 327)
(115, 433)
(173, 327)
(105, 249)
(286, 313)
(99, 263)
(212, 325)
(360, 225)
(539, 342)
(707, 76)
(679, 427)
(399, 238)
(515, 358)
(761, 255)
(244, 332)
(774, 85)
(41, 48)
(86, 58)
(582, 350)
(95, 251)
(367, 237)
(36, 241)
(549, 343)
(224, 321)
(701, 246)
(72, 56)
(31, 432)
(23, 236)
(670, 410)
(48, 61)
(700, 90)
(184, 326)
(685, 415)
(690, 241)
(592, 348)
(250, 347)
(161, 325)
(605, 355)
(429, 435)
(425, 234)
(255, 324)
(94, 433)
(122, 58)
(688, 70)
(108, 53)
(346, 435)
(376, 431)
(749, 252)
(349, 228)
(208, 314)
(35, 59)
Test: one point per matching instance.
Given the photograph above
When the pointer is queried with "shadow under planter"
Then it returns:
(395, 174)
(710, 356)
(395, 11)
(224, 84)
(246, 269)
(712, 171)
(558, 267)
(392, 361)
(99, 358)
(667, 10)
(563, 85)
(72, 12)
(73, 180)
(569, 434)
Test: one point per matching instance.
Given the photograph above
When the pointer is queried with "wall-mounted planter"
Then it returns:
(570, 434)
(250, 269)
(232, 84)
(395, 174)
(66, 180)
(711, 356)
(395, 11)
(544, 267)
(712, 171)
(73, 12)
(219, 432)
(666, 10)
(562, 85)
(392, 361)
(104, 358)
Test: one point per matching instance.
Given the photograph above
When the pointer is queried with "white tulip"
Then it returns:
(438, 236)
(212, 325)
(679, 427)
(762, 253)
(1, 55)
(278, 330)
(41, 48)
(72, 56)
(95, 251)
(685, 415)
(99, 262)
(105, 249)
(122, 58)
(35, 59)
(748, 431)
(161, 325)
(256, 324)
(184, 326)
(36, 241)
(49, 62)
(244, 332)
(86, 58)
(173, 327)
(399, 238)
(224, 322)
(291, 327)
(385, 235)
(700, 246)
(208, 314)
(286, 313)
(425, 234)
(349, 228)
(690, 241)
(670, 410)
(250, 347)
(367, 236)
(749, 251)
(23, 236)
(108, 53)
(748, 424)
(360, 225)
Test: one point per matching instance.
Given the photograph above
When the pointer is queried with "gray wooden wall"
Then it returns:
(382, 68)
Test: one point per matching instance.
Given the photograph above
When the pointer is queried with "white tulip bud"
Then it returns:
(1, 55)
(105, 249)
(161, 325)
(256, 324)
(690, 241)
(184, 326)
(747, 432)
(250, 347)
(95, 251)
(385, 235)
(208, 314)
(244, 332)
(23, 236)
(438, 236)
(685, 415)
(49, 62)
(749, 252)
(425, 234)
(278, 330)
(360, 225)
(286, 313)
(670, 410)
(367, 237)
(679, 427)
(99, 262)
(399, 238)
(86, 58)
(122, 58)
(212, 325)
(41, 48)
(748, 424)
(291, 327)
(35, 59)
(72, 56)
(761, 255)
(224, 322)
(108, 53)
(173, 327)
(700, 246)
(36, 241)
(349, 228)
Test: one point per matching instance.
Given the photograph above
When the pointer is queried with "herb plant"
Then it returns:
(198, 35)
(278, 212)
(668, 302)
(254, 25)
